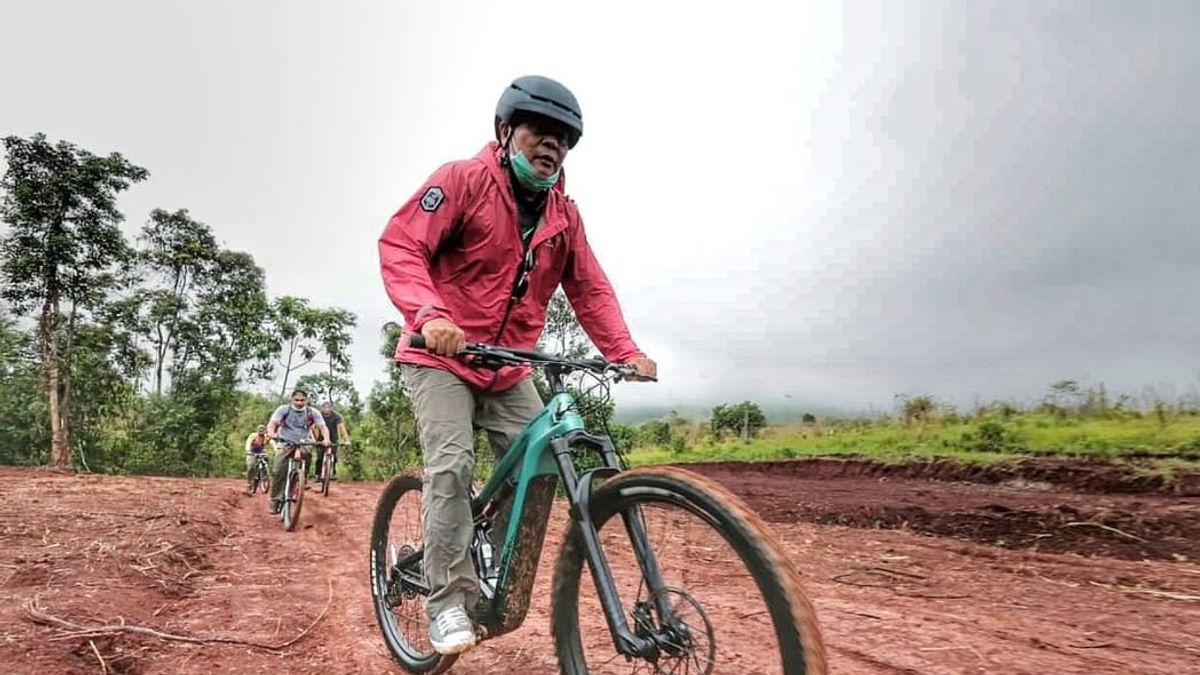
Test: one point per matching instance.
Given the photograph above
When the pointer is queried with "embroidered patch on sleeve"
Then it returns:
(433, 199)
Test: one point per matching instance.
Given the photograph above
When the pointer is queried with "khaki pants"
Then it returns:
(447, 413)
(279, 468)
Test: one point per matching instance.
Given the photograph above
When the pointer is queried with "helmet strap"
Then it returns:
(505, 148)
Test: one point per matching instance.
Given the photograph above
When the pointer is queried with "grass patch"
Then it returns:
(1153, 443)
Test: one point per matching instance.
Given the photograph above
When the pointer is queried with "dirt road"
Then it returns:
(908, 575)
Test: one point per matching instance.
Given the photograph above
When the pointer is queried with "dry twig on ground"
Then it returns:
(73, 630)
(1102, 526)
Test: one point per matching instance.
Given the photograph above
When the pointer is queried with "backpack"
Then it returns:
(307, 412)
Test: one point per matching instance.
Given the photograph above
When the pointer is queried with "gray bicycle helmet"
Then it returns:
(541, 96)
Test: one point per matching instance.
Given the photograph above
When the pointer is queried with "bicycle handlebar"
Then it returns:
(305, 444)
(494, 356)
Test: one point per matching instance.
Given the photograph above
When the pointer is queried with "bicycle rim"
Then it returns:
(399, 609)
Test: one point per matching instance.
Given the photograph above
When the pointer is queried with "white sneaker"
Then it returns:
(451, 632)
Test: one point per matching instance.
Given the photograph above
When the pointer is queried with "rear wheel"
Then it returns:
(294, 497)
(396, 590)
(729, 600)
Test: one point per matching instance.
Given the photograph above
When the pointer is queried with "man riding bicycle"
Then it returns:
(291, 424)
(338, 435)
(475, 255)
(257, 444)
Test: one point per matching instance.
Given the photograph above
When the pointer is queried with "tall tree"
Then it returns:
(334, 388)
(307, 335)
(177, 254)
(204, 309)
(562, 333)
(64, 241)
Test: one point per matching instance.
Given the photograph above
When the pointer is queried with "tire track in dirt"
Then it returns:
(327, 563)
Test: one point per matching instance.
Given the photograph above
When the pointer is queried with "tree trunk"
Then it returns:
(287, 370)
(64, 405)
(60, 457)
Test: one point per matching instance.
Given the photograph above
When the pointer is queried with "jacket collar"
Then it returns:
(554, 215)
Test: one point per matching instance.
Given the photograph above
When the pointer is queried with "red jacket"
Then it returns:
(454, 251)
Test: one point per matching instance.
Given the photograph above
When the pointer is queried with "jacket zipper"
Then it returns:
(512, 301)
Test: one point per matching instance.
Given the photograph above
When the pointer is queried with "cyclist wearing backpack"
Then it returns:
(338, 435)
(291, 424)
(475, 255)
(257, 443)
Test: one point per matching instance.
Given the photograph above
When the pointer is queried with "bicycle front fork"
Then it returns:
(579, 488)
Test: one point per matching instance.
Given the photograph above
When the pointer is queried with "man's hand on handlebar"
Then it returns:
(647, 369)
(443, 337)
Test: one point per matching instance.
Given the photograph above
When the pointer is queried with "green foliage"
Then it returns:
(918, 409)
(991, 436)
(63, 251)
(24, 432)
(325, 387)
(202, 309)
(60, 206)
(654, 433)
(303, 335)
(181, 315)
(744, 419)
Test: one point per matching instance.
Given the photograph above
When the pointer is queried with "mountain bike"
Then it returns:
(327, 465)
(293, 486)
(687, 578)
(261, 477)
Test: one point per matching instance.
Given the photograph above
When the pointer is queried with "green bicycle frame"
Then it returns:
(517, 500)
(515, 503)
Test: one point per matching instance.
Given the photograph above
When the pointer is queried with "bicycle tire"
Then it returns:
(291, 511)
(259, 481)
(400, 648)
(326, 474)
(797, 632)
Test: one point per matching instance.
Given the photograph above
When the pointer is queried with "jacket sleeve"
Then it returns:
(411, 239)
(594, 302)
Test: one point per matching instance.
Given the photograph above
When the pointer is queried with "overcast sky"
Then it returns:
(797, 201)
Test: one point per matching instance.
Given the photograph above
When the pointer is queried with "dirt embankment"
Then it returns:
(1092, 508)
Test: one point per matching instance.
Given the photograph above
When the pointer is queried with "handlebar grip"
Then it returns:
(416, 341)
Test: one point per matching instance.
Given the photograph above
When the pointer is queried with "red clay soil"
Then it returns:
(1081, 582)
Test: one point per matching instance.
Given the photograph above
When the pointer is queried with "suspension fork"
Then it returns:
(579, 489)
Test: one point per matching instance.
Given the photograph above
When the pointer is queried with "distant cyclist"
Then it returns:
(338, 435)
(291, 423)
(257, 444)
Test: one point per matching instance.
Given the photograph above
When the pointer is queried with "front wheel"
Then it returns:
(397, 578)
(326, 473)
(294, 498)
(726, 600)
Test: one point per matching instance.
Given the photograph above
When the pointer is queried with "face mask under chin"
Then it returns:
(528, 176)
